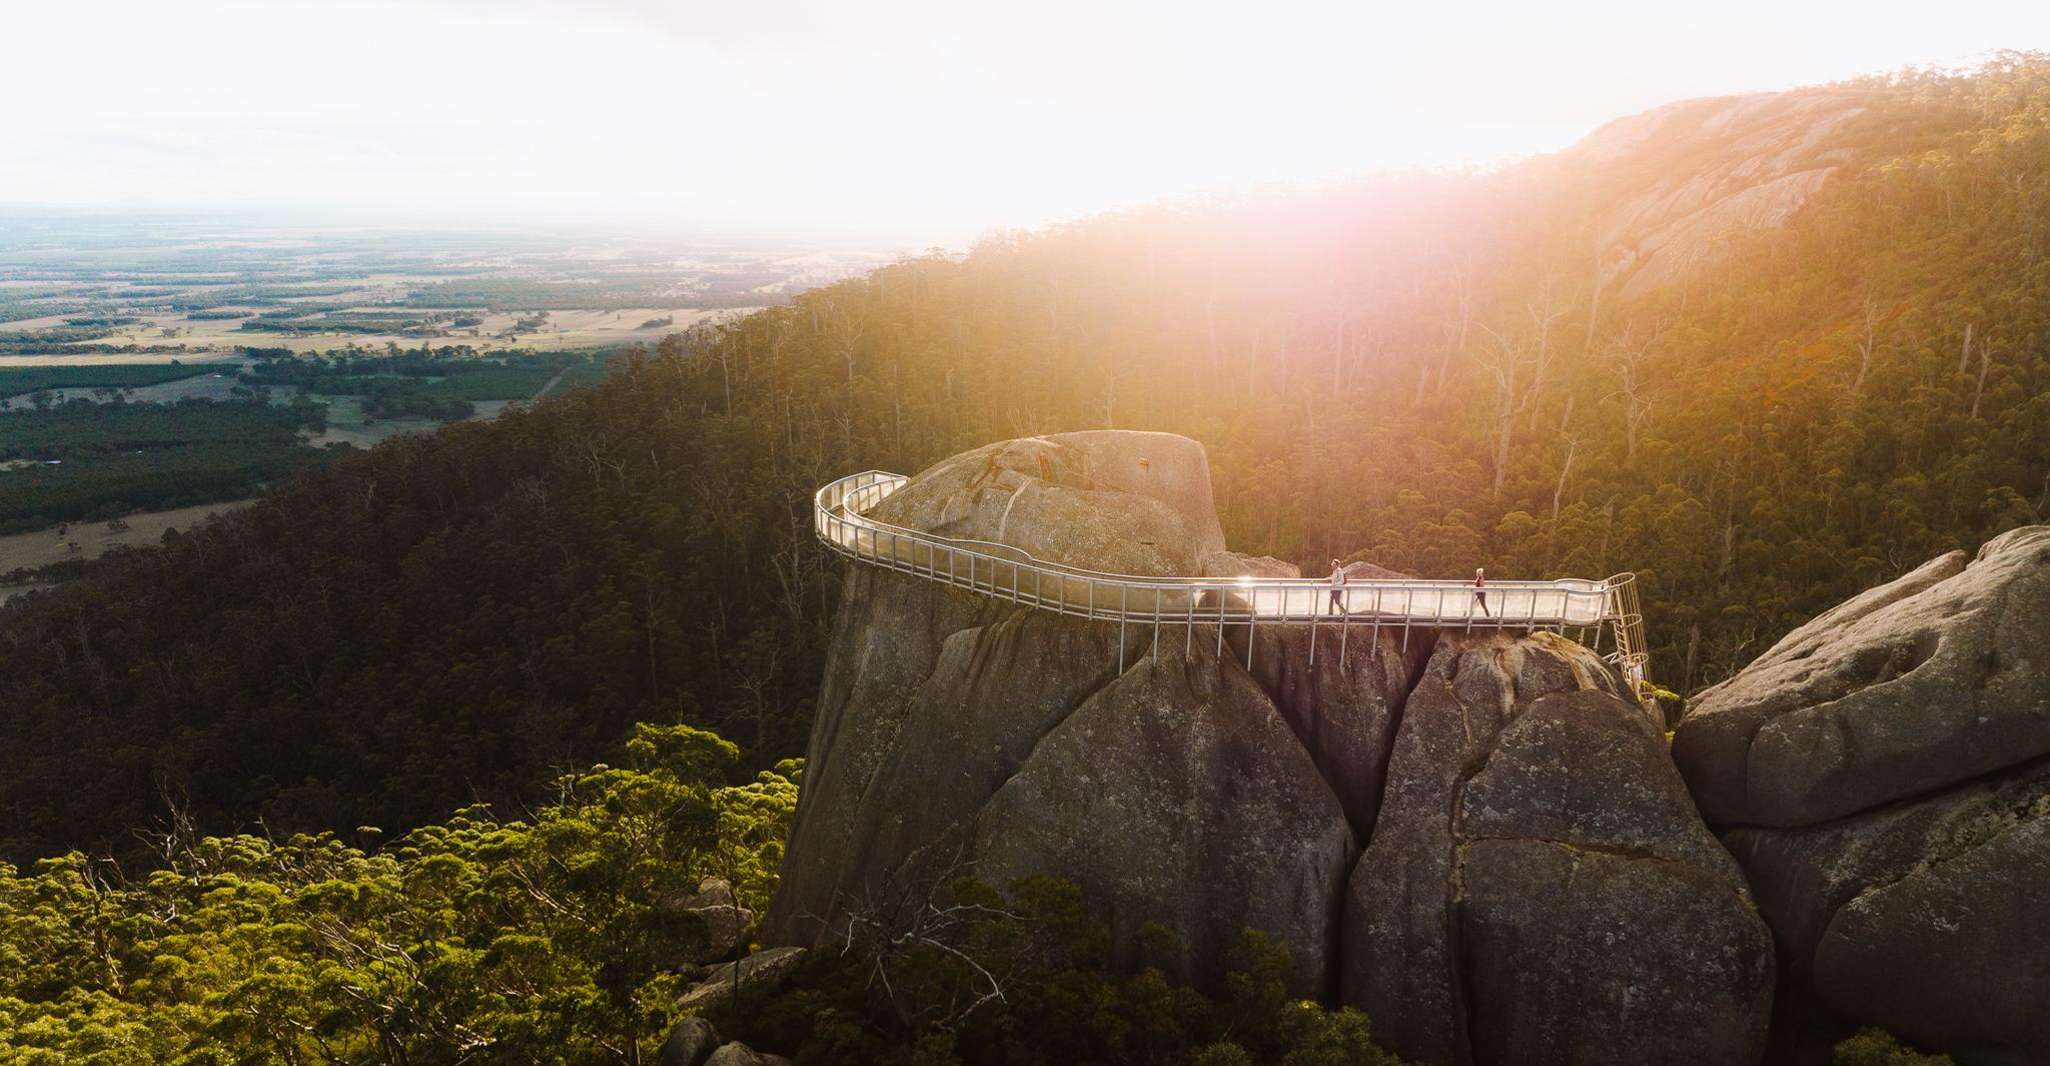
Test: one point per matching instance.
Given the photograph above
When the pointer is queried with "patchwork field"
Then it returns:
(67, 358)
(564, 330)
(90, 540)
(157, 286)
(149, 366)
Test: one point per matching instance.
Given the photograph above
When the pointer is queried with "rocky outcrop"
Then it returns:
(1136, 503)
(1538, 887)
(1344, 707)
(1176, 795)
(933, 697)
(1343, 701)
(1922, 917)
(1935, 679)
(690, 1042)
(739, 1054)
(1886, 770)
(953, 730)
(1513, 806)
(754, 975)
(1690, 177)
(725, 922)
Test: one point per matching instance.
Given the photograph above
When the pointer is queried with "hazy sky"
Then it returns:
(936, 118)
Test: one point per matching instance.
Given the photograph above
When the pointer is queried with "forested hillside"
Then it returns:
(1817, 387)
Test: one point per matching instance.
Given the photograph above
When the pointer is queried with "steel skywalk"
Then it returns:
(1580, 609)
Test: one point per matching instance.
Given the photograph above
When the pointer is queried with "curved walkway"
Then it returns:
(1585, 610)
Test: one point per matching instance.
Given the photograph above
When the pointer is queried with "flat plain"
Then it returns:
(161, 288)
(157, 369)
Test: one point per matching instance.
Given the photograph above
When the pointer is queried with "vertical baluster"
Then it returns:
(1221, 598)
(1252, 627)
(1122, 620)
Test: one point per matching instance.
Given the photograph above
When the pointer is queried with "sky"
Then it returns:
(917, 119)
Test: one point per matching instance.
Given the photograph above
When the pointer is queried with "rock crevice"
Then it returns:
(1885, 698)
(1524, 796)
(1882, 775)
(1408, 817)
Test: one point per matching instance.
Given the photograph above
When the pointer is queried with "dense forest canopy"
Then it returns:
(97, 460)
(549, 937)
(1429, 371)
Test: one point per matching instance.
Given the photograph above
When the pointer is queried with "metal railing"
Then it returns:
(1581, 609)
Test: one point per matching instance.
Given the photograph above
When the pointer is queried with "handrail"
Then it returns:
(1585, 607)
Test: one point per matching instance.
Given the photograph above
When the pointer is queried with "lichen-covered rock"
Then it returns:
(1118, 501)
(739, 1054)
(1176, 795)
(690, 1042)
(1884, 777)
(752, 975)
(1922, 917)
(1529, 809)
(932, 695)
(947, 720)
(1935, 679)
(1239, 564)
(725, 922)
(886, 641)
(1400, 964)
(994, 693)
(1538, 888)
(1343, 705)
(1952, 957)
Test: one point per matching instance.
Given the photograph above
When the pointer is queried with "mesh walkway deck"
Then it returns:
(1591, 612)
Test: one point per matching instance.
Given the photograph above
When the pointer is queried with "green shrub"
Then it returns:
(970, 975)
(1877, 1047)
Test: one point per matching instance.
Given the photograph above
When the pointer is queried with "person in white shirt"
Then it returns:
(1337, 587)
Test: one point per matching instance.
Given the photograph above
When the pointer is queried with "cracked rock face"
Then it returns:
(954, 730)
(1177, 795)
(1539, 888)
(1884, 777)
(1923, 917)
(1345, 701)
(933, 693)
(1934, 679)
(1535, 870)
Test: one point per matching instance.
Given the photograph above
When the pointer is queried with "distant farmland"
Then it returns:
(17, 381)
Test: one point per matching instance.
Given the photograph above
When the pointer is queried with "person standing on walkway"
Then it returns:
(1480, 589)
(1337, 587)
